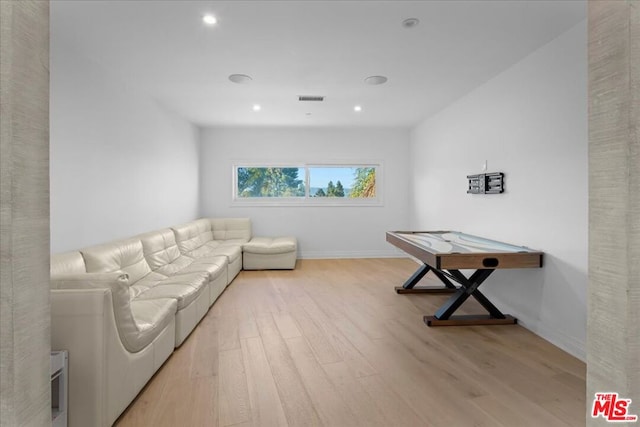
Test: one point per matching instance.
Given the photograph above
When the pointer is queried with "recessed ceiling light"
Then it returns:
(410, 22)
(375, 80)
(209, 19)
(357, 108)
(240, 78)
(256, 107)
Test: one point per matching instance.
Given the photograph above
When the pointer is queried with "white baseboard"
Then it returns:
(571, 345)
(351, 254)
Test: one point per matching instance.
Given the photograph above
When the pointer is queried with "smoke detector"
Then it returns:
(375, 80)
(240, 78)
(410, 22)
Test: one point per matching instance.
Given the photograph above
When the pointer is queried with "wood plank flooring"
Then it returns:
(332, 344)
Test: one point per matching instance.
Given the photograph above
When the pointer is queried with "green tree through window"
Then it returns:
(331, 189)
(269, 182)
(364, 184)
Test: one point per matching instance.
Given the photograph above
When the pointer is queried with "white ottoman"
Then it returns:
(270, 253)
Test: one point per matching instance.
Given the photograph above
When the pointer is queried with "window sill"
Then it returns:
(306, 203)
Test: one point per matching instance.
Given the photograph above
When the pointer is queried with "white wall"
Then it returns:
(120, 163)
(322, 232)
(529, 122)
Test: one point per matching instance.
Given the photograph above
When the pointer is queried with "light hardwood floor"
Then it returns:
(332, 344)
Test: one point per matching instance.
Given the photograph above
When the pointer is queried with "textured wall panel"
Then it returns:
(613, 345)
(633, 309)
(24, 214)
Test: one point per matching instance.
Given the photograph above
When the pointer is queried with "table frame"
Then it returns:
(447, 266)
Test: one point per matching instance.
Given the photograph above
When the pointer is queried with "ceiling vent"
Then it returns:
(310, 98)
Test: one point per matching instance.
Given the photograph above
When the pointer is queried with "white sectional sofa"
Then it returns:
(121, 308)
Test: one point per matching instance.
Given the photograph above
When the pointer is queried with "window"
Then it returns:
(341, 181)
(261, 182)
(334, 184)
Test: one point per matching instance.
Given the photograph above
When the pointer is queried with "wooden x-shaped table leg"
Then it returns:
(468, 287)
(409, 285)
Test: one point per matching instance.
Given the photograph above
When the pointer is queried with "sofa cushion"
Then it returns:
(183, 287)
(232, 252)
(192, 236)
(237, 229)
(175, 267)
(159, 248)
(200, 252)
(151, 317)
(133, 321)
(270, 245)
(67, 263)
(283, 261)
(211, 245)
(162, 253)
(124, 255)
(146, 283)
(214, 266)
(219, 260)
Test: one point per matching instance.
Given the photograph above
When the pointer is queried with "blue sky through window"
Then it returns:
(319, 177)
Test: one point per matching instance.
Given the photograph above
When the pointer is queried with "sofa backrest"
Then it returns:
(67, 263)
(159, 248)
(193, 235)
(231, 229)
(124, 255)
(162, 253)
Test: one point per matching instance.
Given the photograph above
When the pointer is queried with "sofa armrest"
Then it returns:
(80, 324)
(118, 283)
(134, 336)
(104, 377)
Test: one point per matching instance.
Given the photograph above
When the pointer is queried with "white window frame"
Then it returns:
(307, 200)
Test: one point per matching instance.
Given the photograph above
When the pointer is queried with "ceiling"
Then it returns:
(293, 48)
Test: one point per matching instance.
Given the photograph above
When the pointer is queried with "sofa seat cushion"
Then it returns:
(146, 283)
(212, 245)
(232, 252)
(214, 266)
(271, 245)
(184, 288)
(175, 267)
(232, 242)
(200, 252)
(185, 265)
(220, 260)
(151, 317)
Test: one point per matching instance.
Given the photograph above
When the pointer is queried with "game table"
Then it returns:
(445, 253)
